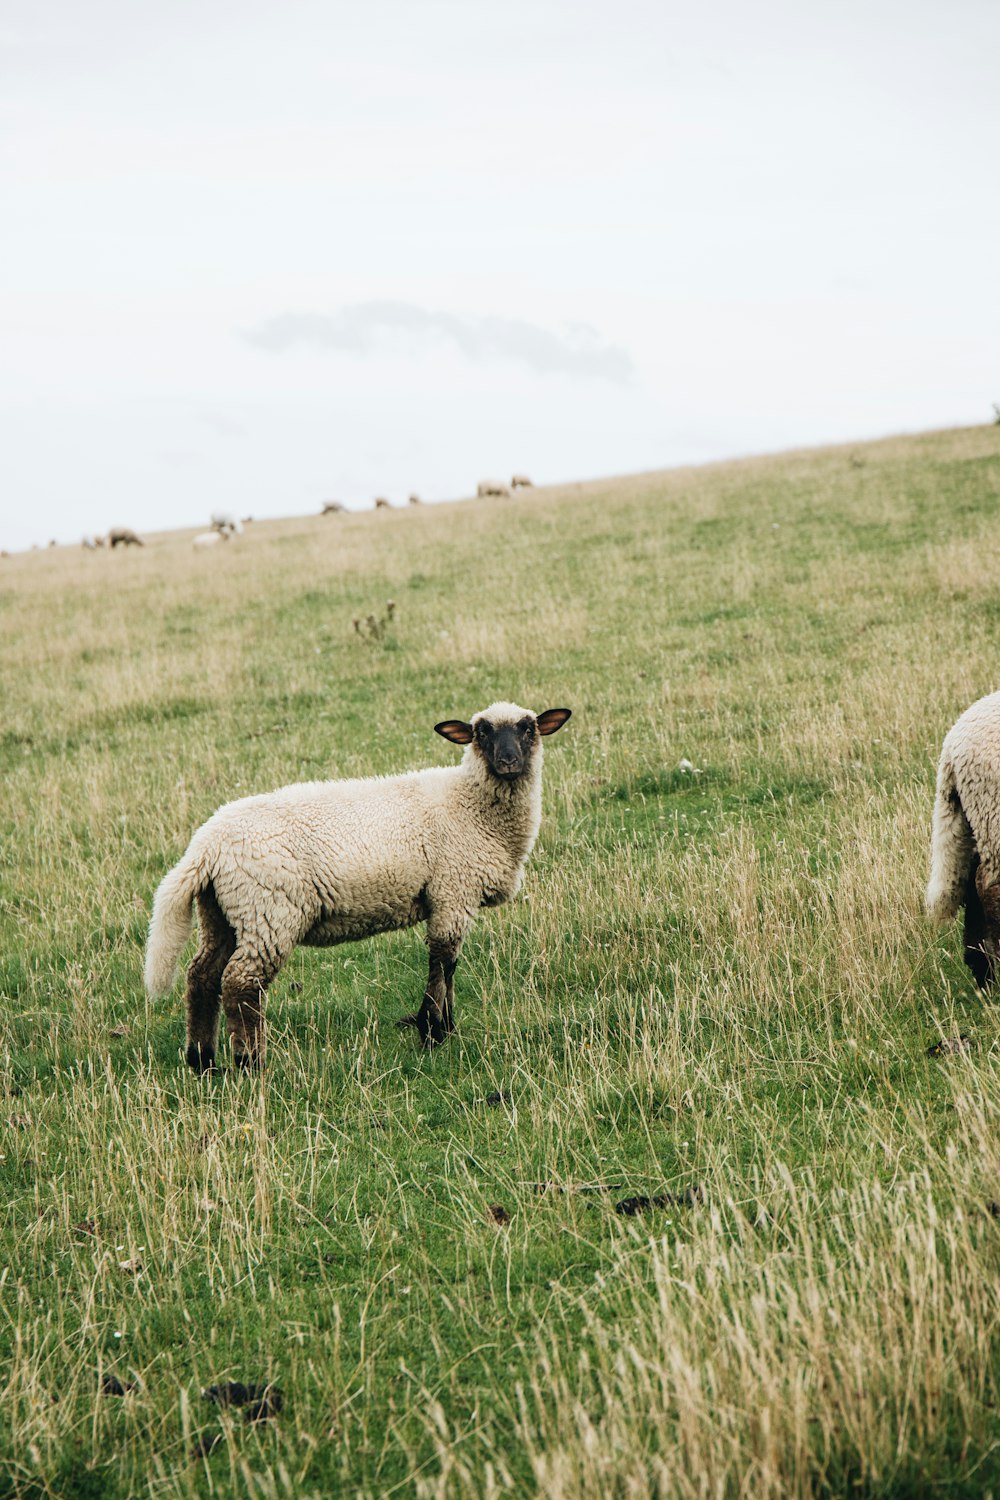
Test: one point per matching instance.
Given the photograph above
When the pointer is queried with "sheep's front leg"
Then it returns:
(436, 1017)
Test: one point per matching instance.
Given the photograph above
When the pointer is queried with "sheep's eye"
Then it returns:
(484, 730)
(526, 726)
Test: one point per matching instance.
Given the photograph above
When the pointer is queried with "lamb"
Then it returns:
(123, 536)
(521, 482)
(487, 487)
(965, 842)
(225, 522)
(328, 862)
(209, 538)
(332, 508)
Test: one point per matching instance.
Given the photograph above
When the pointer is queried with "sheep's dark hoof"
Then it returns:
(433, 1028)
(201, 1058)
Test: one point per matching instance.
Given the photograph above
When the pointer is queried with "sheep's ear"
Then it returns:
(456, 731)
(552, 719)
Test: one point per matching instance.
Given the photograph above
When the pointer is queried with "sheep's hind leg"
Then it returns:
(244, 984)
(204, 981)
(982, 927)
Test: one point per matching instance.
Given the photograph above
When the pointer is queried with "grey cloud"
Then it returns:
(359, 328)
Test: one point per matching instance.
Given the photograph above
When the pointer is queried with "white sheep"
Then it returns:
(332, 508)
(965, 841)
(327, 862)
(521, 482)
(225, 522)
(487, 487)
(209, 538)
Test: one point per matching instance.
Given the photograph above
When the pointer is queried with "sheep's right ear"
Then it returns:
(456, 731)
(552, 719)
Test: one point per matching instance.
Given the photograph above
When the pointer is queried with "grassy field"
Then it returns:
(717, 984)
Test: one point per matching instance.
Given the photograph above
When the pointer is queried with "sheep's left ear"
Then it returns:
(456, 731)
(552, 719)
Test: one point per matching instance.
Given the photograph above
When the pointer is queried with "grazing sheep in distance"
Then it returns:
(381, 503)
(328, 862)
(226, 522)
(415, 500)
(91, 543)
(332, 508)
(209, 538)
(965, 841)
(521, 482)
(123, 536)
(487, 487)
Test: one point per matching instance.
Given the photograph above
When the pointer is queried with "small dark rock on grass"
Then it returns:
(499, 1214)
(950, 1045)
(259, 1402)
(112, 1386)
(496, 1097)
(638, 1204)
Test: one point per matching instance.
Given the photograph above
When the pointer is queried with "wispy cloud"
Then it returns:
(366, 326)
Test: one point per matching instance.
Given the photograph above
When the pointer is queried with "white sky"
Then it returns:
(257, 255)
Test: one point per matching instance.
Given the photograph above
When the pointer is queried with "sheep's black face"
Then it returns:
(506, 748)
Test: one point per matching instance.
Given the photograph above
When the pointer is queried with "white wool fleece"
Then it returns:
(325, 862)
(966, 808)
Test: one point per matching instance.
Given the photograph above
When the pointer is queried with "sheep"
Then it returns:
(91, 543)
(327, 862)
(123, 536)
(381, 503)
(965, 841)
(332, 507)
(521, 482)
(225, 522)
(415, 500)
(209, 538)
(487, 487)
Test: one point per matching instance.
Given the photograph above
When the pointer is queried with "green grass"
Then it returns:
(718, 977)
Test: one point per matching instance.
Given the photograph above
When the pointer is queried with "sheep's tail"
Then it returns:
(170, 925)
(953, 847)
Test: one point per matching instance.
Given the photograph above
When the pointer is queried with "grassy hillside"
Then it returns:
(717, 984)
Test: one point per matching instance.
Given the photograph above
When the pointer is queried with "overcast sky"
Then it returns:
(258, 255)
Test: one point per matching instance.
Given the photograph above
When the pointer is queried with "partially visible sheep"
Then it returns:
(521, 482)
(965, 841)
(209, 538)
(487, 487)
(91, 543)
(415, 500)
(123, 536)
(381, 503)
(226, 522)
(328, 862)
(332, 507)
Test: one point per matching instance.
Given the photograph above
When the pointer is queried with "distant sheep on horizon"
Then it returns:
(487, 487)
(123, 536)
(521, 482)
(225, 522)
